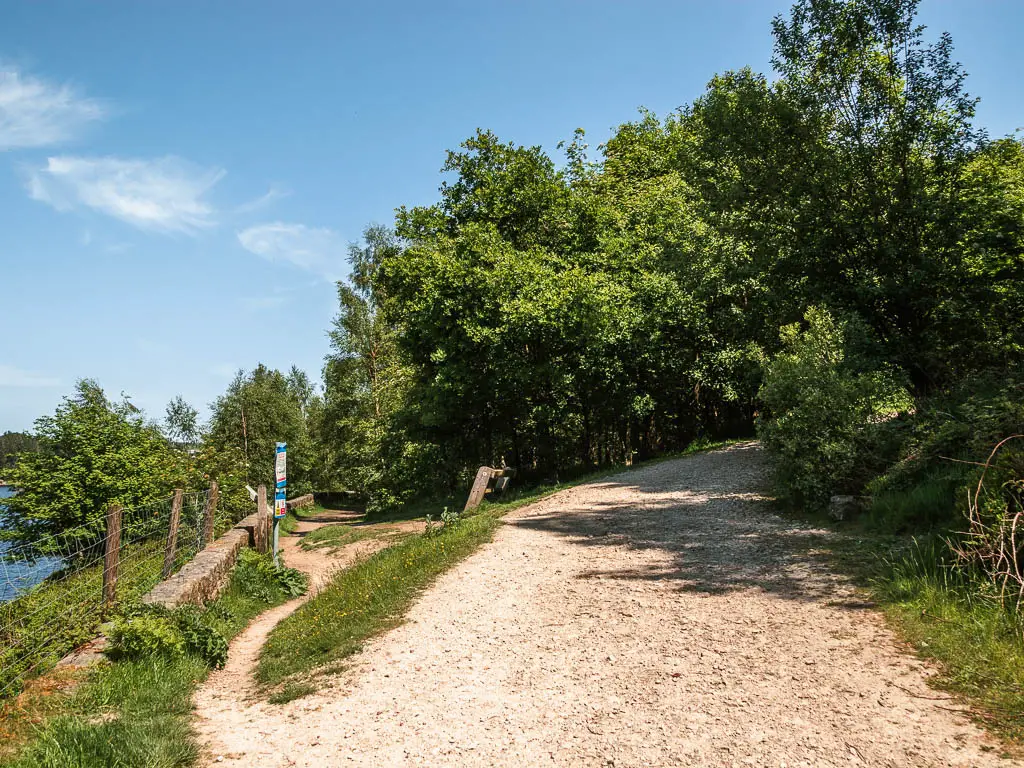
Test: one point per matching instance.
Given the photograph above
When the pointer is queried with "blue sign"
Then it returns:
(281, 480)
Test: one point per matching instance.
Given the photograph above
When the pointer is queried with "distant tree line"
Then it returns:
(13, 443)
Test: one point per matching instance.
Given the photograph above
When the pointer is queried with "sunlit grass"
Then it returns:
(130, 714)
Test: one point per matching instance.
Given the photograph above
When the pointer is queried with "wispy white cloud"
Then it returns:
(16, 377)
(37, 113)
(164, 195)
(272, 195)
(318, 250)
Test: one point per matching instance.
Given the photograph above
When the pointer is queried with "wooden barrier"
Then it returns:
(111, 556)
(172, 534)
(487, 478)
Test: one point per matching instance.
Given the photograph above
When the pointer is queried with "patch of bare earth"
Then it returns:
(660, 617)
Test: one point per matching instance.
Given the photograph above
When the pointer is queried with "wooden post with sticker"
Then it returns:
(263, 521)
(111, 556)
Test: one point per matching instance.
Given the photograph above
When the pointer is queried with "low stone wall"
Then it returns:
(203, 579)
(300, 501)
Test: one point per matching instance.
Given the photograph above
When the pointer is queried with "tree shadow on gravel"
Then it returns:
(708, 514)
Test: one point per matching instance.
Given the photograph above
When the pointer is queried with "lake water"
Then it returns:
(17, 577)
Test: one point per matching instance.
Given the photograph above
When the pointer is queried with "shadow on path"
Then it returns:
(710, 516)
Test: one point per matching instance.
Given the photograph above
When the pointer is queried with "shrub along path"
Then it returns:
(226, 690)
(660, 616)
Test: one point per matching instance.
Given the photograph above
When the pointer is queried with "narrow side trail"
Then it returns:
(658, 617)
(226, 690)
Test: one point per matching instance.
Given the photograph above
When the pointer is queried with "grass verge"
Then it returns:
(296, 516)
(131, 713)
(366, 599)
(945, 613)
(374, 595)
(955, 619)
(41, 627)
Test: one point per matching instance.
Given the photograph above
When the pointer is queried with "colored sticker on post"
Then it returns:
(281, 465)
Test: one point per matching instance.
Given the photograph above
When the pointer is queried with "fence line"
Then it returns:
(96, 569)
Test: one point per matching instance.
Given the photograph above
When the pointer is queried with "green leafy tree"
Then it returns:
(94, 452)
(181, 422)
(367, 383)
(889, 131)
(258, 410)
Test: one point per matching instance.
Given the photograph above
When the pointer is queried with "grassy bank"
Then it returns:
(374, 595)
(956, 619)
(129, 713)
(41, 627)
(366, 599)
(944, 612)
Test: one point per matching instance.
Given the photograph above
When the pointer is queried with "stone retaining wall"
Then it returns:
(300, 501)
(203, 579)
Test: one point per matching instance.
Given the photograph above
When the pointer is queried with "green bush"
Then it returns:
(951, 433)
(146, 634)
(955, 426)
(926, 506)
(259, 578)
(200, 638)
(831, 426)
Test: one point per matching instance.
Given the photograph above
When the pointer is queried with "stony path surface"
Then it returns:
(658, 617)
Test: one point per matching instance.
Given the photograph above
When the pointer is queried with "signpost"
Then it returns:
(280, 490)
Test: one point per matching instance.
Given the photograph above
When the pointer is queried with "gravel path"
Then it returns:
(658, 617)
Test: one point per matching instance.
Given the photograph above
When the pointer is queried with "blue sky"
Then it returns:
(179, 181)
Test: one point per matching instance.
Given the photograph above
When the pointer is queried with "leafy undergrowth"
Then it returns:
(134, 712)
(374, 595)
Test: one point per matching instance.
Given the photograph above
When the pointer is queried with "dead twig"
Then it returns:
(919, 696)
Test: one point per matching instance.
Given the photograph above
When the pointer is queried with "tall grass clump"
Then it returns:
(950, 613)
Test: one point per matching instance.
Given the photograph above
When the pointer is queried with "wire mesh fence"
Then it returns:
(64, 586)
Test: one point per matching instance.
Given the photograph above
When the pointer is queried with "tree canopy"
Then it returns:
(560, 315)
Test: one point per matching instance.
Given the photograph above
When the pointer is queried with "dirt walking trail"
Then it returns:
(658, 617)
(225, 688)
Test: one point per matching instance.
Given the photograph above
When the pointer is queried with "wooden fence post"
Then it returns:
(262, 520)
(111, 556)
(209, 512)
(172, 534)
